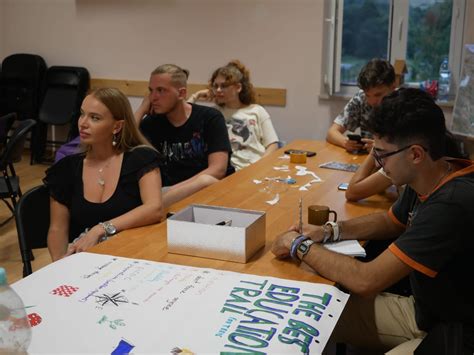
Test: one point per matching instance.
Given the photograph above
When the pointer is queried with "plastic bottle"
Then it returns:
(444, 81)
(15, 331)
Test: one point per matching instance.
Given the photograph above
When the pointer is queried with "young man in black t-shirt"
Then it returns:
(433, 222)
(193, 139)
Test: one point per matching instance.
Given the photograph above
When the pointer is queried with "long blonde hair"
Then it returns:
(119, 106)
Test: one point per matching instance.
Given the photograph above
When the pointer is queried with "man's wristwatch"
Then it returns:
(109, 230)
(303, 248)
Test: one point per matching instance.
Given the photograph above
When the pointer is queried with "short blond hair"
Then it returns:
(179, 76)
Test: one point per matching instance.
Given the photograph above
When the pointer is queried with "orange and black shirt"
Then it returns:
(438, 243)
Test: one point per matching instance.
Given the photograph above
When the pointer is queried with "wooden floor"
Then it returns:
(10, 259)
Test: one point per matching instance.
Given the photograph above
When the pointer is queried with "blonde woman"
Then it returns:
(114, 184)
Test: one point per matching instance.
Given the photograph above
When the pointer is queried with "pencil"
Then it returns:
(301, 216)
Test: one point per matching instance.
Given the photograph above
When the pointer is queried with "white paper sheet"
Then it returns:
(347, 247)
(91, 303)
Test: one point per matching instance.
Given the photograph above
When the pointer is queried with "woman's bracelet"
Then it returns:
(80, 236)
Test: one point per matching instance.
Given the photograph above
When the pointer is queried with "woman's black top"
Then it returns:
(64, 181)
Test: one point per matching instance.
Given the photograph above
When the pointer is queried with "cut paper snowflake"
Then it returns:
(302, 171)
(274, 201)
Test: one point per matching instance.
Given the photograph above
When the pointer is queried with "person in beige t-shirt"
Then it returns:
(250, 128)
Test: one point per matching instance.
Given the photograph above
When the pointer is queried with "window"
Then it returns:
(422, 32)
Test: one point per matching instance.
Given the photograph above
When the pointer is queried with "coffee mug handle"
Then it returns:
(335, 215)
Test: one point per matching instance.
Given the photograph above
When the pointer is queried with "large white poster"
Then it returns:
(90, 303)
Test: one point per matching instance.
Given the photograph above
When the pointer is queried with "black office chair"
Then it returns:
(9, 181)
(32, 223)
(65, 88)
(21, 83)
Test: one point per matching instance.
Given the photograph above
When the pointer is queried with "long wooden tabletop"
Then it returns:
(239, 191)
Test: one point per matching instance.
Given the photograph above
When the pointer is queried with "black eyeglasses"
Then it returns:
(222, 86)
(380, 157)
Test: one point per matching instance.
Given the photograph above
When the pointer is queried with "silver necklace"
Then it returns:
(100, 179)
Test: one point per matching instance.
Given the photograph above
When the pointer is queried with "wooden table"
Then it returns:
(239, 191)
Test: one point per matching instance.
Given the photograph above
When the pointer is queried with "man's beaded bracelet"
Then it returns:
(294, 245)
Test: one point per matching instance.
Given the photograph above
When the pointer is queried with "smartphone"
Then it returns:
(343, 186)
(308, 152)
(355, 137)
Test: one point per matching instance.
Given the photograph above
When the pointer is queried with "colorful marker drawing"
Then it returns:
(115, 299)
(34, 319)
(112, 323)
(64, 290)
(124, 347)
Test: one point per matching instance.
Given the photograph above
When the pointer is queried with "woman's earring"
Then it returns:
(114, 140)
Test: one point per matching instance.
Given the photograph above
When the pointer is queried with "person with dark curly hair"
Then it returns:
(250, 128)
(376, 80)
(433, 223)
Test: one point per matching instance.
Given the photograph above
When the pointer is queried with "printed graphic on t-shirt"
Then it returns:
(356, 114)
(176, 151)
(412, 213)
(240, 132)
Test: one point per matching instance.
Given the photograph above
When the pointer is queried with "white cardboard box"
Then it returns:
(193, 231)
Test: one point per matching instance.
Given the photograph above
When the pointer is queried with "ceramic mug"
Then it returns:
(318, 215)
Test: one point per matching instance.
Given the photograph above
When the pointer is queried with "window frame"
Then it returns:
(396, 42)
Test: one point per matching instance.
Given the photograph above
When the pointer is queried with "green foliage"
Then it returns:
(366, 29)
(429, 33)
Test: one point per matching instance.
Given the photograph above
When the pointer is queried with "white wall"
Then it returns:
(469, 32)
(279, 40)
(2, 29)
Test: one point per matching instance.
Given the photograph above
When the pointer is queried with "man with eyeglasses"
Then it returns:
(193, 139)
(433, 223)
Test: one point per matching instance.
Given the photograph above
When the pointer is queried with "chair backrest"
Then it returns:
(21, 84)
(16, 143)
(32, 223)
(6, 123)
(65, 89)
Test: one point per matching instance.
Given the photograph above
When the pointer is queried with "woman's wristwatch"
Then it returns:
(109, 230)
